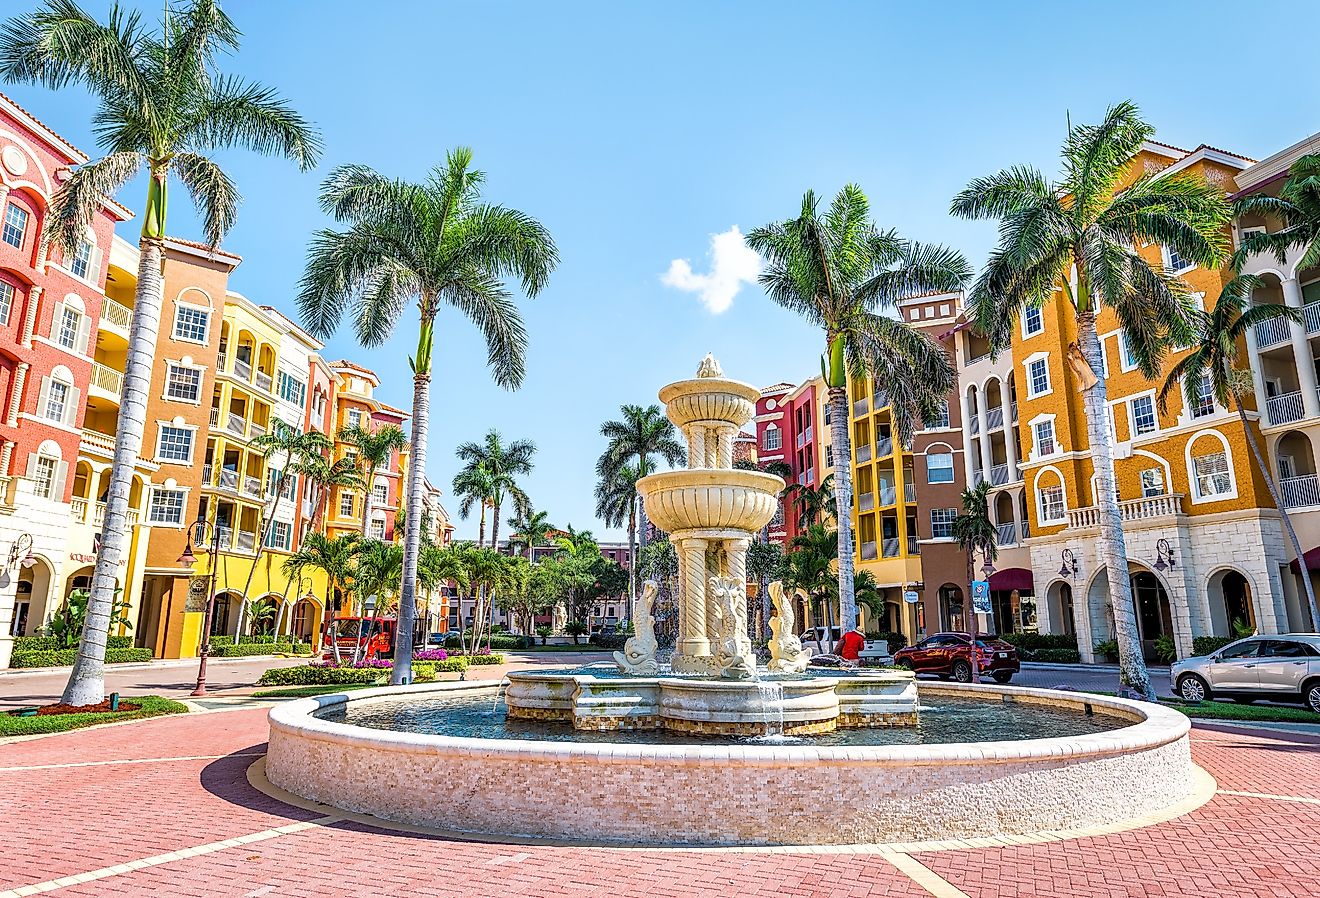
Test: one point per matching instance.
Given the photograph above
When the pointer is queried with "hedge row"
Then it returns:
(1035, 641)
(23, 644)
(63, 657)
(316, 675)
(229, 650)
(497, 641)
(1052, 656)
(493, 658)
(1208, 645)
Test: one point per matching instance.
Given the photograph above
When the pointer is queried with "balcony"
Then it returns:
(228, 480)
(889, 548)
(102, 442)
(1285, 408)
(999, 475)
(252, 486)
(909, 488)
(974, 424)
(116, 317)
(994, 419)
(98, 515)
(888, 494)
(884, 447)
(264, 381)
(78, 508)
(1300, 492)
(236, 425)
(914, 547)
(866, 502)
(864, 453)
(1130, 510)
(859, 408)
(879, 401)
(215, 417)
(1275, 331)
(868, 551)
(106, 381)
(1013, 411)
(1006, 534)
(243, 369)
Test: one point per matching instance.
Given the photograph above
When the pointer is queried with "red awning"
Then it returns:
(1312, 557)
(1010, 579)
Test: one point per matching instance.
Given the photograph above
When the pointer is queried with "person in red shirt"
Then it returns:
(851, 645)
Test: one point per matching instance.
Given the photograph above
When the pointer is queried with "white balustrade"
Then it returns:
(1286, 408)
(1301, 491)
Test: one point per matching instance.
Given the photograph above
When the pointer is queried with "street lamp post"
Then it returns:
(198, 532)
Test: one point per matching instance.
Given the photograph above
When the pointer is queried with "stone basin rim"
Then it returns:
(687, 478)
(713, 385)
(1156, 726)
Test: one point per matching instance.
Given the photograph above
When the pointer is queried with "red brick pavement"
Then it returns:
(66, 820)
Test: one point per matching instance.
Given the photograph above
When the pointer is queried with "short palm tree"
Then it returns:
(1297, 206)
(473, 487)
(868, 593)
(643, 438)
(840, 272)
(616, 505)
(1216, 361)
(435, 243)
(336, 558)
(162, 105)
(374, 450)
(810, 565)
(326, 476)
(977, 535)
(1080, 235)
(812, 502)
(502, 465)
(531, 530)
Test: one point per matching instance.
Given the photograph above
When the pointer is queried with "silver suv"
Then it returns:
(1278, 667)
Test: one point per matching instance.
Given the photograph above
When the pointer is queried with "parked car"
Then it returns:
(948, 655)
(819, 640)
(1284, 667)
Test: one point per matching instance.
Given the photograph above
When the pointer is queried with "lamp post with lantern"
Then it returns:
(198, 533)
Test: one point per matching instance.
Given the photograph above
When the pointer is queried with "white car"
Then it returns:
(1283, 667)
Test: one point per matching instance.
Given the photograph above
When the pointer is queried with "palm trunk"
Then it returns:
(265, 528)
(412, 540)
(1283, 513)
(366, 500)
(328, 619)
(1110, 545)
(971, 614)
(843, 503)
(86, 684)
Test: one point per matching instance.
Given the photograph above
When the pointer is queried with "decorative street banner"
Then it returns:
(981, 596)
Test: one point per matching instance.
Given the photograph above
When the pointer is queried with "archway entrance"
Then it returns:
(951, 609)
(1154, 617)
(1230, 603)
(1061, 608)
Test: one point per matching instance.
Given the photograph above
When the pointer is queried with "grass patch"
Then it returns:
(1235, 711)
(152, 706)
(308, 691)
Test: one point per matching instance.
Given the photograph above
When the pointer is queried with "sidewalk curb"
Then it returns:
(1093, 668)
(163, 664)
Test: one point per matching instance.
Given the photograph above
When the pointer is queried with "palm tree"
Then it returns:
(1297, 206)
(642, 437)
(486, 570)
(162, 105)
(502, 465)
(616, 505)
(975, 533)
(326, 476)
(378, 572)
(1080, 236)
(811, 502)
(531, 530)
(839, 271)
(1216, 361)
(473, 486)
(763, 560)
(374, 450)
(336, 558)
(437, 243)
(810, 565)
(868, 593)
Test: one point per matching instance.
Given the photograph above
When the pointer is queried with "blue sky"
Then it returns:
(636, 132)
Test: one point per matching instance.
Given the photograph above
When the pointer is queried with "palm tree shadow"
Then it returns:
(227, 779)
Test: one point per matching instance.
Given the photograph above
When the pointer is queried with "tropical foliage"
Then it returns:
(640, 440)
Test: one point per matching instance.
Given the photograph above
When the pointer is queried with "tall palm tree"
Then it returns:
(839, 271)
(378, 573)
(1216, 361)
(642, 437)
(810, 565)
(976, 534)
(531, 530)
(326, 476)
(503, 465)
(294, 448)
(162, 105)
(616, 505)
(473, 487)
(436, 243)
(374, 450)
(1079, 235)
(1298, 208)
(336, 558)
(811, 502)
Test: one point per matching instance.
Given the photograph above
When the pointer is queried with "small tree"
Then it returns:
(976, 534)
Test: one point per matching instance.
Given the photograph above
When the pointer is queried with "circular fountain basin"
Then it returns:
(741, 794)
(720, 501)
(716, 399)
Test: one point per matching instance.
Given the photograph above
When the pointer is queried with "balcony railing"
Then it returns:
(884, 447)
(999, 475)
(115, 313)
(208, 471)
(909, 488)
(1301, 491)
(868, 551)
(1274, 331)
(243, 369)
(245, 541)
(866, 501)
(864, 453)
(974, 424)
(994, 419)
(888, 494)
(914, 547)
(78, 508)
(235, 424)
(102, 441)
(215, 417)
(252, 486)
(107, 378)
(1286, 408)
(1129, 510)
(1013, 410)
(228, 479)
(879, 401)
(889, 548)
(1006, 533)
(98, 515)
(859, 407)
(1026, 529)
(263, 381)
(256, 430)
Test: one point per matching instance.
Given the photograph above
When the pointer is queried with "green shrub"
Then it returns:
(37, 644)
(497, 641)
(152, 706)
(221, 640)
(247, 649)
(1053, 656)
(1208, 645)
(307, 675)
(493, 658)
(1165, 650)
(1034, 641)
(895, 641)
(63, 657)
(119, 642)
(1107, 649)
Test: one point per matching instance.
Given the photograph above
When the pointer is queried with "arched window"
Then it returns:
(58, 399)
(1051, 502)
(70, 325)
(774, 437)
(47, 471)
(1210, 467)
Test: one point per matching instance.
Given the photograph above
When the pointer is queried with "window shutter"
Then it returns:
(84, 332)
(94, 266)
(32, 466)
(57, 487)
(73, 408)
(41, 397)
(55, 321)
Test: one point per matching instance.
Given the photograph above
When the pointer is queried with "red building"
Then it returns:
(792, 427)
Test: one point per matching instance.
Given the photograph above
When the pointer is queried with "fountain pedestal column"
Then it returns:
(694, 643)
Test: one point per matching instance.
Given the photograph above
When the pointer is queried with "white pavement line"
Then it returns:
(1296, 798)
(240, 754)
(919, 873)
(158, 859)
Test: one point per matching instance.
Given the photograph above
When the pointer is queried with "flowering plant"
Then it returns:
(431, 655)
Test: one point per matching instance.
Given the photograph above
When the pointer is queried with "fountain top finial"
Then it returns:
(710, 367)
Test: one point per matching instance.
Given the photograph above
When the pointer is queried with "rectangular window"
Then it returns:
(1176, 262)
(1152, 482)
(66, 333)
(166, 507)
(81, 262)
(941, 418)
(6, 301)
(346, 505)
(1033, 322)
(354, 418)
(1129, 361)
(1038, 376)
(191, 324)
(939, 467)
(1044, 433)
(941, 522)
(43, 479)
(1143, 416)
(774, 438)
(175, 444)
(376, 530)
(380, 494)
(291, 389)
(16, 219)
(1201, 398)
(57, 401)
(1212, 477)
(1051, 504)
(279, 535)
(183, 383)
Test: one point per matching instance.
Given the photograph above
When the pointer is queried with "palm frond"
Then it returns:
(213, 193)
(59, 44)
(920, 268)
(485, 302)
(86, 191)
(246, 114)
(339, 264)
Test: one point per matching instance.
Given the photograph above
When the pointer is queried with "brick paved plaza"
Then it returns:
(164, 807)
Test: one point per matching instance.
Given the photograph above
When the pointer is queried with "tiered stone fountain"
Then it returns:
(711, 511)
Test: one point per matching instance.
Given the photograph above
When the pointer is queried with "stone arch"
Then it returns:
(36, 580)
(1232, 597)
(1294, 454)
(1059, 600)
(1150, 597)
(224, 613)
(952, 608)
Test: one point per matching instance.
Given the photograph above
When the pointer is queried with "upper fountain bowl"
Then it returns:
(705, 499)
(710, 399)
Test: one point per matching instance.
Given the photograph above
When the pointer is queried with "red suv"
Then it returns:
(949, 655)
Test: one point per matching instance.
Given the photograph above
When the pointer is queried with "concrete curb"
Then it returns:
(1092, 668)
(164, 664)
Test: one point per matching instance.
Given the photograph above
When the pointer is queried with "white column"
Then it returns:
(724, 447)
(694, 640)
(965, 409)
(696, 437)
(1257, 375)
(1292, 296)
(1010, 433)
(987, 457)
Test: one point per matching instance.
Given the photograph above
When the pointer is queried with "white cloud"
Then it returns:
(732, 264)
